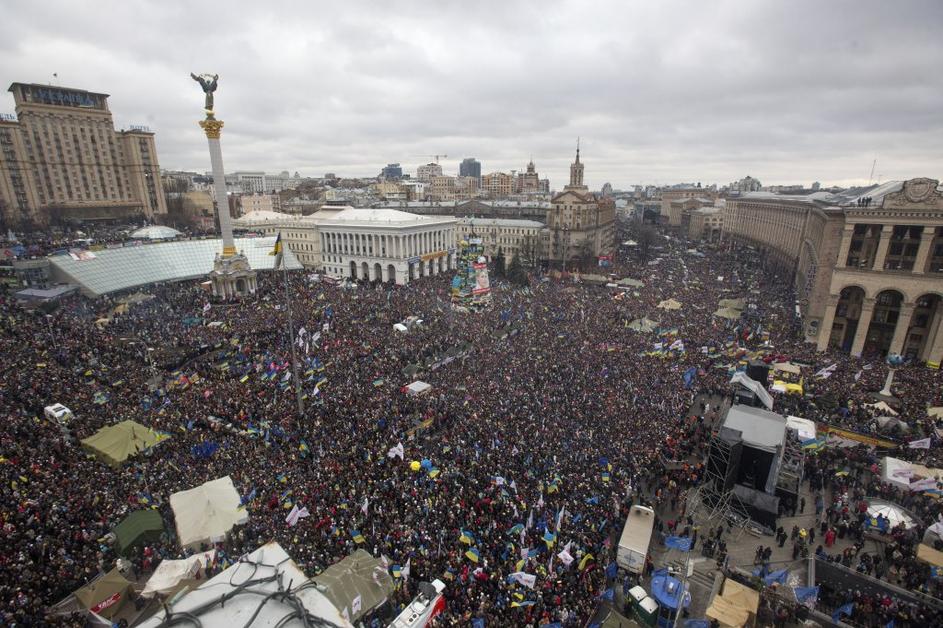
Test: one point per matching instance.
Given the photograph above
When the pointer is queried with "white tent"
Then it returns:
(257, 577)
(740, 377)
(804, 427)
(205, 514)
(897, 472)
(418, 388)
(894, 514)
(882, 407)
(58, 413)
(169, 573)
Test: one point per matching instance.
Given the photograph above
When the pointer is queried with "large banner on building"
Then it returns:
(482, 283)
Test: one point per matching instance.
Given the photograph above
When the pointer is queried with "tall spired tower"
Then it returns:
(231, 274)
(576, 172)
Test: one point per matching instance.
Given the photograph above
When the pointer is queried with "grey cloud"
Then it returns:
(659, 92)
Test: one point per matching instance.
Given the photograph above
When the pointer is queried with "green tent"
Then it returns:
(729, 313)
(733, 304)
(359, 583)
(106, 595)
(114, 444)
(139, 527)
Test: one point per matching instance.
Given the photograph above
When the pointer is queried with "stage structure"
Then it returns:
(754, 463)
(231, 274)
(471, 286)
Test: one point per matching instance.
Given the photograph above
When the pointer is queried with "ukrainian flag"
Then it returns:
(585, 561)
(467, 537)
(277, 251)
(517, 604)
(397, 571)
(281, 478)
(473, 555)
(550, 538)
(357, 537)
(516, 529)
(433, 473)
(605, 476)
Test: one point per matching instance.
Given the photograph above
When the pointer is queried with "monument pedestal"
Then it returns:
(232, 276)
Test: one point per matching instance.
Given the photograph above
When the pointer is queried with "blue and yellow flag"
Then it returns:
(473, 555)
(467, 537)
(277, 251)
(357, 537)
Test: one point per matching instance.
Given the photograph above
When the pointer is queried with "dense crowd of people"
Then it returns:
(556, 417)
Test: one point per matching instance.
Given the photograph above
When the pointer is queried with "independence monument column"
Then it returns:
(231, 274)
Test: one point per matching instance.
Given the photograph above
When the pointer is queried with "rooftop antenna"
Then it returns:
(873, 164)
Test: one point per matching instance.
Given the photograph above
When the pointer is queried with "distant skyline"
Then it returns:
(659, 92)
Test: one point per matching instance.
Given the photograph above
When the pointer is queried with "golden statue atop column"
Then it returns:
(231, 274)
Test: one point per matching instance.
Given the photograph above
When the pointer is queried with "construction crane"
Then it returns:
(436, 157)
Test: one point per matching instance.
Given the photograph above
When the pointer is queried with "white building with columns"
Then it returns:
(386, 245)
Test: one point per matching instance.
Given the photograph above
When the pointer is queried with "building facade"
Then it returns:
(387, 245)
(470, 167)
(498, 184)
(529, 239)
(867, 265)
(392, 172)
(62, 160)
(674, 211)
(260, 203)
(428, 171)
(581, 225)
(706, 223)
(528, 182)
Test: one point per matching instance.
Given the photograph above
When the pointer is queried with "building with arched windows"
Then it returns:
(867, 263)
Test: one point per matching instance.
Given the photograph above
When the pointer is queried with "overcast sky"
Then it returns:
(660, 92)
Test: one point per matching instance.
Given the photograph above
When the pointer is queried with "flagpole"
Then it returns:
(291, 341)
(684, 581)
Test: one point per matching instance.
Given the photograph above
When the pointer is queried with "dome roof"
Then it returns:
(155, 232)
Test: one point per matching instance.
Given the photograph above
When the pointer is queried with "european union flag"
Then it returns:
(846, 609)
(682, 543)
(779, 576)
(612, 570)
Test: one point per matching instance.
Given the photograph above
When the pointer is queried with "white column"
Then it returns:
(864, 322)
(923, 251)
(212, 129)
(883, 243)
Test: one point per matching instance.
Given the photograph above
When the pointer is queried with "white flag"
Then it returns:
(827, 371)
(565, 557)
(397, 451)
(923, 443)
(530, 520)
(514, 485)
(405, 570)
(858, 375)
(923, 485)
(206, 308)
(316, 336)
(540, 502)
(295, 515)
(560, 517)
(365, 507)
(528, 580)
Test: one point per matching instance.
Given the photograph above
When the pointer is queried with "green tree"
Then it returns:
(499, 263)
(516, 273)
